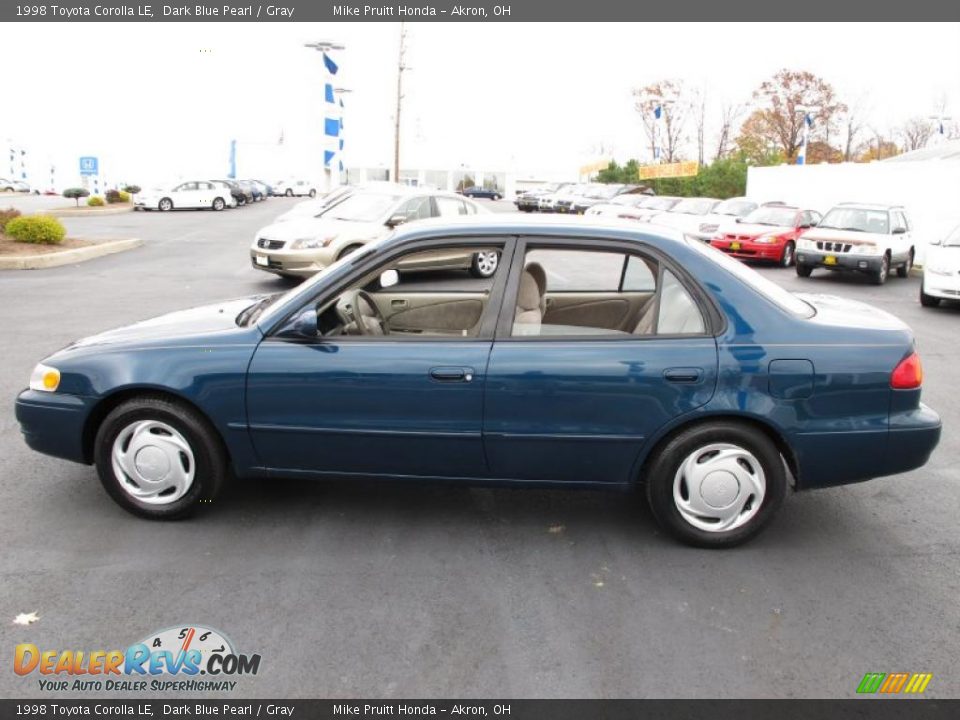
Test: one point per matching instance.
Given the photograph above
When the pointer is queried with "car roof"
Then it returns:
(870, 206)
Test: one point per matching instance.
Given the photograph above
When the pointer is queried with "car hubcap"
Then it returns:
(719, 487)
(153, 462)
(487, 262)
(883, 269)
(787, 256)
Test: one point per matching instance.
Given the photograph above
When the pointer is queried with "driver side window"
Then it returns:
(417, 208)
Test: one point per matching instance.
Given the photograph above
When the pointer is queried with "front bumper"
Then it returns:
(841, 261)
(746, 250)
(53, 423)
(946, 287)
(290, 262)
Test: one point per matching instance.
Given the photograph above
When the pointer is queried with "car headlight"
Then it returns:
(806, 244)
(312, 243)
(767, 239)
(44, 378)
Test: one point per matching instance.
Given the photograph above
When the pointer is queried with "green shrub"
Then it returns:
(124, 196)
(95, 201)
(132, 189)
(76, 194)
(112, 196)
(6, 216)
(39, 229)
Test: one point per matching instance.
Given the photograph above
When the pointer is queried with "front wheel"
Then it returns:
(484, 264)
(289, 192)
(313, 193)
(165, 205)
(786, 260)
(218, 204)
(804, 270)
(928, 300)
(159, 459)
(716, 485)
(879, 277)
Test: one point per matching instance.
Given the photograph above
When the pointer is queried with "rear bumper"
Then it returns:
(841, 458)
(861, 263)
(53, 423)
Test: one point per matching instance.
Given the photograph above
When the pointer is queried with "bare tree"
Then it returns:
(664, 94)
(854, 125)
(915, 133)
(698, 104)
(729, 114)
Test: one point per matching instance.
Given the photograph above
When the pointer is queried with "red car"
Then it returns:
(768, 233)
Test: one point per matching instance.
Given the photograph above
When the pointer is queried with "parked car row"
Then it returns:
(11, 185)
(216, 194)
(573, 198)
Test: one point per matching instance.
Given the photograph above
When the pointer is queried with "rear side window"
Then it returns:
(678, 313)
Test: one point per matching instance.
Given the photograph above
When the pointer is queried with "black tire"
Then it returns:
(313, 193)
(210, 458)
(789, 255)
(663, 468)
(347, 250)
(496, 197)
(879, 277)
(485, 271)
(289, 192)
(904, 270)
(803, 270)
(218, 204)
(165, 205)
(928, 300)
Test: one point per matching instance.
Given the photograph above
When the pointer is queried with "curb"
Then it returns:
(67, 257)
(80, 212)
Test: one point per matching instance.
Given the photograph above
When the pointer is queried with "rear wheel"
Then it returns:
(717, 484)
(786, 260)
(928, 300)
(904, 270)
(165, 205)
(159, 459)
(218, 204)
(485, 264)
(313, 193)
(289, 192)
(804, 270)
(879, 277)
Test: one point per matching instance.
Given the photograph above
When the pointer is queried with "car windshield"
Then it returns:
(363, 207)
(779, 216)
(734, 208)
(632, 200)
(604, 192)
(661, 203)
(953, 239)
(694, 206)
(769, 289)
(856, 220)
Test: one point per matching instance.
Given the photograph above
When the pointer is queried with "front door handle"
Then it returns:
(452, 374)
(687, 375)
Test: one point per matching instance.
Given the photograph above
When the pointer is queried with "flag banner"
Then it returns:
(332, 67)
(331, 127)
(328, 93)
(327, 157)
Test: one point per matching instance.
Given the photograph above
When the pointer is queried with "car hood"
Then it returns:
(752, 229)
(843, 312)
(174, 326)
(945, 257)
(298, 228)
(851, 236)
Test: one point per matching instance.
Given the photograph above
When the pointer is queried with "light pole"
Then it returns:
(330, 69)
(396, 127)
(940, 120)
(808, 112)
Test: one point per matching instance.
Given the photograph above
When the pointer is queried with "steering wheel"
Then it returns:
(360, 318)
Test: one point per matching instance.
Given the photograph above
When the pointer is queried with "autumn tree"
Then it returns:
(665, 94)
(729, 114)
(915, 133)
(754, 143)
(781, 98)
(880, 149)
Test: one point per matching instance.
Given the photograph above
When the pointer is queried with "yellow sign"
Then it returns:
(671, 170)
(594, 167)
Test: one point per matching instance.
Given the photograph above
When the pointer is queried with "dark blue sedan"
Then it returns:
(595, 356)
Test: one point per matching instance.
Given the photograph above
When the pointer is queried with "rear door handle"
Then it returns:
(683, 375)
(452, 374)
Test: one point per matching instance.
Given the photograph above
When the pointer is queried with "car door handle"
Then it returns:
(398, 303)
(683, 375)
(452, 374)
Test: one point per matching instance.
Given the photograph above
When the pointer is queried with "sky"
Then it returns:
(162, 101)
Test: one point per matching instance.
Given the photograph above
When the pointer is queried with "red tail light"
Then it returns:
(908, 375)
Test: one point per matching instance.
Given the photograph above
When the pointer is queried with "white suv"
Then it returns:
(857, 237)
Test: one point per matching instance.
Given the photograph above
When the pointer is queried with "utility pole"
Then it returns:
(396, 128)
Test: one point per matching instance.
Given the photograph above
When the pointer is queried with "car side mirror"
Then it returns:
(305, 324)
(396, 220)
(899, 231)
(389, 278)
(739, 220)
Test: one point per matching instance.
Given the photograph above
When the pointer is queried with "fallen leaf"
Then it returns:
(26, 618)
(556, 529)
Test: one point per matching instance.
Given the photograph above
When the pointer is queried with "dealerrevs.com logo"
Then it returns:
(187, 658)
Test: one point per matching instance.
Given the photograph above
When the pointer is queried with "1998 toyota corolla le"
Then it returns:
(595, 356)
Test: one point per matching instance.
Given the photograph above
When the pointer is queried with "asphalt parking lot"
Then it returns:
(352, 589)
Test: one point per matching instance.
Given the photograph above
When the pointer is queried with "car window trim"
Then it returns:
(713, 320)
(487, 322)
